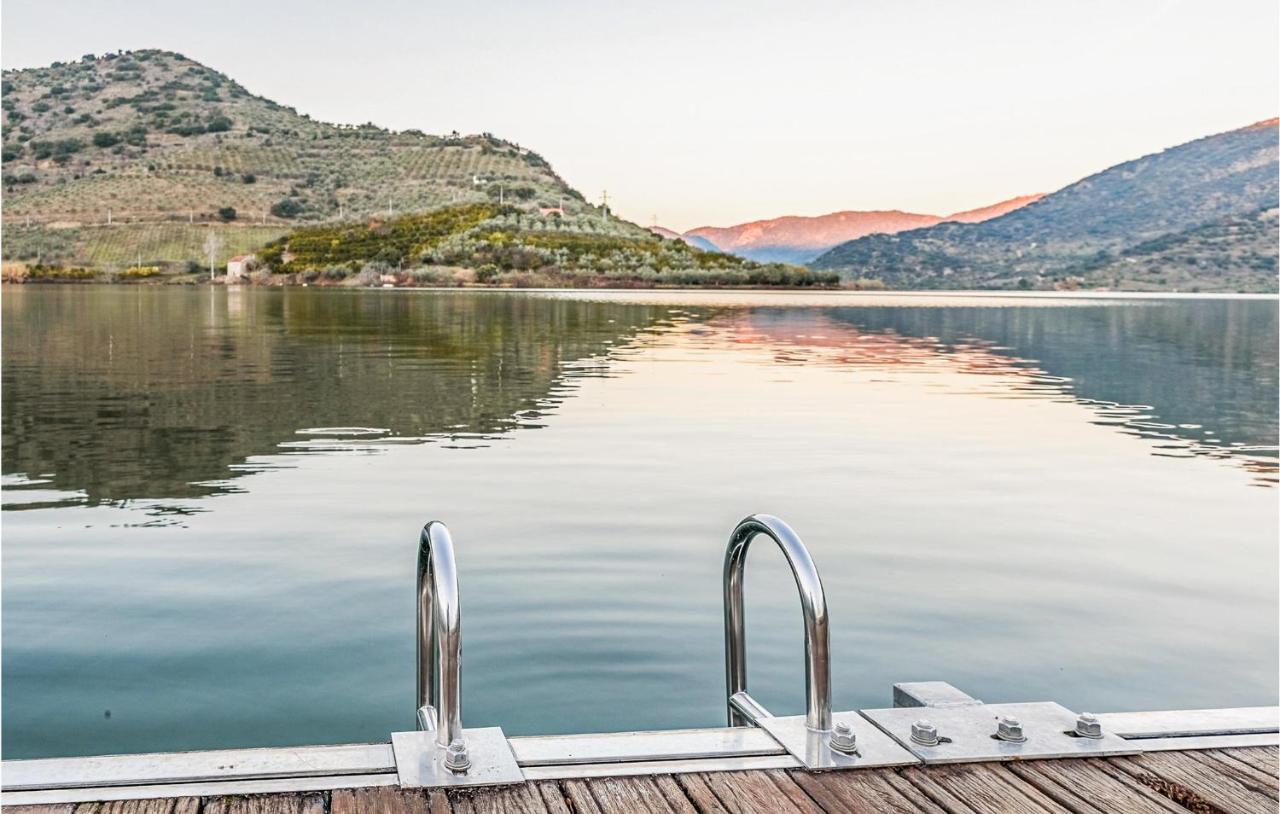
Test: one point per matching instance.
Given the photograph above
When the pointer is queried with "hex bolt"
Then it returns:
(843, 740)
(1088, 726)
(456, 758)
(1010, 729)
(924, 733)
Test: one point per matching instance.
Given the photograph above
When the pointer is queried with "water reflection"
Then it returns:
(147, 395)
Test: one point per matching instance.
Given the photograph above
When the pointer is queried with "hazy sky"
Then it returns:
(720, 112)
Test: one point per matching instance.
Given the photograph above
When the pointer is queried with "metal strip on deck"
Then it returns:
(198, 767)
(209, 789)
(1192, 722)
(615, 747)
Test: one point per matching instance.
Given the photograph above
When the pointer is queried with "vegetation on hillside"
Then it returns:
(1235, 253)
(149, 135)
(507, 245)
(1064, 238)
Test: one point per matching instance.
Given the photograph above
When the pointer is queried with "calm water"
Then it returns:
(212, 503)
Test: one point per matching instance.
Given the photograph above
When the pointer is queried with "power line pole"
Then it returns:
(604, 207)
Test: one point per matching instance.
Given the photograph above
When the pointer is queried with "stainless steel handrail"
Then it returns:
(439, 636)
(813, 603)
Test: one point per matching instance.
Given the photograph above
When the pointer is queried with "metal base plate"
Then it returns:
(813, 749)
(971, 729)
(420, 762)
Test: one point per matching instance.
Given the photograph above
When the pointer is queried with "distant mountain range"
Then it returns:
(1199, 216)
(799, 239)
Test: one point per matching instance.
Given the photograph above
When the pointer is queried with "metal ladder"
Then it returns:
(439, 636)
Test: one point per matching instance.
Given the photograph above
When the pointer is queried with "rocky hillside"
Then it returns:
(1111, 220)
(798, 239)
(155, 144)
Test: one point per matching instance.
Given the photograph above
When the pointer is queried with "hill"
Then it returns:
(123, 142)
(799, 239)
(1070, 236)
(505, 245)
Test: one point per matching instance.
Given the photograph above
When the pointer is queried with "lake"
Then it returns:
(213, 497)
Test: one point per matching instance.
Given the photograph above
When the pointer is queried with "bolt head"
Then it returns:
(924, 733)
(456, 758)
(843, 738)
(1010, 729)
(1088, 726)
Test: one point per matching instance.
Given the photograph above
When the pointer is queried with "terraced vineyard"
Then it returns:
(113, 142)
(122, 245)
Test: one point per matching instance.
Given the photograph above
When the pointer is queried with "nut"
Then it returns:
(1010, 729)
(1088, 726)
(456, 758)
(843, 739)
(924, 733)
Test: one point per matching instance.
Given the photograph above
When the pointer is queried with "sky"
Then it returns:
(716, 113)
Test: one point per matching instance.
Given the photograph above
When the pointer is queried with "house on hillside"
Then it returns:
(547, 211)
(238, 268)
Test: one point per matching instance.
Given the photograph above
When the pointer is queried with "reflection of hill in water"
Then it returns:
(1200, 371)
(143, 393)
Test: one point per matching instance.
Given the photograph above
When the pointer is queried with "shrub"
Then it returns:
(227, 213)
(248, 178)
(286, 208)
(140, 272)
(42, 272)
(105, 139)
(218, 124)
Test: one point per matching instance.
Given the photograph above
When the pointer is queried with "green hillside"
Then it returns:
(506, 245)
(1069, 237)
(151, 137)
(1234, 253)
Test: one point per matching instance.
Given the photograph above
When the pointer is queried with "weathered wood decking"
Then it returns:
(1211, 781)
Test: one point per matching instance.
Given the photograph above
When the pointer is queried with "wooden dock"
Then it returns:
(1218, 781)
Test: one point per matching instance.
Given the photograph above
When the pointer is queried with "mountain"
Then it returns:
(1189, 202)
(160, 146)
(697, 241)
(799, 239)
(993, 211)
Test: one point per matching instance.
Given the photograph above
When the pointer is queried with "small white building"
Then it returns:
(238, 268)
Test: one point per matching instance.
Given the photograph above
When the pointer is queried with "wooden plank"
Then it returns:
(861, 791)
(578, 794)
(552, 797)
(699, 792)
(521, 799)
(1266, 758)
(987, 787)
(1190, 783)
(915, 783)
(620, 795)
(1085, 787)
(751, 792)
(389, 800)
(674, 793)
(1216, 759)
(308, 803)
(156, 806)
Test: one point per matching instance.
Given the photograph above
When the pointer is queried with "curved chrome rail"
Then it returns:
(439, 636)
(743, 709)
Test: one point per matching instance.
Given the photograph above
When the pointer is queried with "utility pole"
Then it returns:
(604, 207)
(501, 195)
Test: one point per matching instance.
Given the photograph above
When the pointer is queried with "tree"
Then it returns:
(212, 245)
(286, 208)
